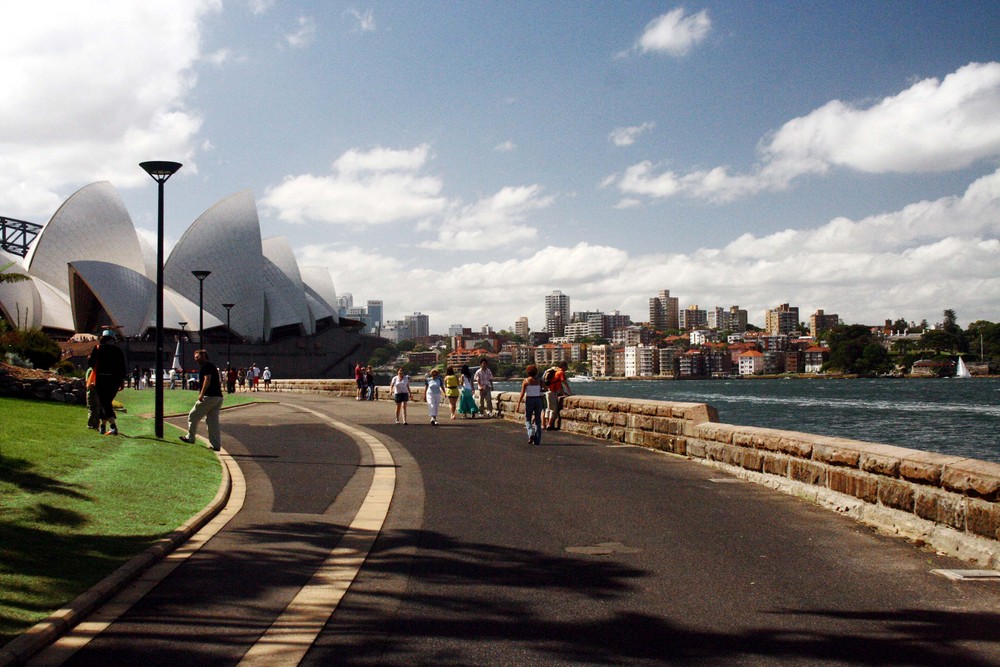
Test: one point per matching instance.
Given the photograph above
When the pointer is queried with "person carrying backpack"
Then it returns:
(554, 379)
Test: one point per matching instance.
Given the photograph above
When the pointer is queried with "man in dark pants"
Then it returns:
(108, 363)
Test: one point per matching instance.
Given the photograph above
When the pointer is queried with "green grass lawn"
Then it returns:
(74, 505)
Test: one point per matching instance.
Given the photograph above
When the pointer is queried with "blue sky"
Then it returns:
(465, 159)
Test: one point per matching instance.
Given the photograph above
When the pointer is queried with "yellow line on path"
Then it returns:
(292, 634)
(62, 649)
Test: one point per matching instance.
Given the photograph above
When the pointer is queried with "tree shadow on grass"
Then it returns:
(44, 566)
(20, 473)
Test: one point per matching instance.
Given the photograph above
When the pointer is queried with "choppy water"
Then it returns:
(960, 417)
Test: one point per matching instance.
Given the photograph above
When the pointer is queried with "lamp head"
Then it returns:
(201, 275)
(160, 170)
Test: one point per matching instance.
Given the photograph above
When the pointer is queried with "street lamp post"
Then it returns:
(183, 358)
(201, 275)
(229, 360)
(160, 171)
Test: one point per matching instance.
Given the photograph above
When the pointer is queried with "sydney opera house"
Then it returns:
(89, 269)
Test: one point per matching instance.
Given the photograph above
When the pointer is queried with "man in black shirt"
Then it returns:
(108, 363)
(209, 403)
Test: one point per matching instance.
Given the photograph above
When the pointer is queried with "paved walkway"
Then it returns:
(359, 541)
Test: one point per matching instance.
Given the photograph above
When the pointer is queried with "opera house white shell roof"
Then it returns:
(81, 282)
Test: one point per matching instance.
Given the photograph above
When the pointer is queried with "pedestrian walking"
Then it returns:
(399, 387)
(466, 401)
(434, 392)
(108, 363)
(452, 388)
(266, 377)
(370, 383)
(531, 394)
(209, 403)
(230, 379)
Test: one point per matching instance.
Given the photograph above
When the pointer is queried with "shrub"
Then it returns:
(33, 345)
(65, 368)
(14, 359)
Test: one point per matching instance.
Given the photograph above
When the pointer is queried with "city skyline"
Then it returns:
(465, 160)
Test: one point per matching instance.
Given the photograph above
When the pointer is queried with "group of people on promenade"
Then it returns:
(248, 379)
(458, 387)
(541, 395)
(364, 377)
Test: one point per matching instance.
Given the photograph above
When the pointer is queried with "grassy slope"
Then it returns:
(74, 505)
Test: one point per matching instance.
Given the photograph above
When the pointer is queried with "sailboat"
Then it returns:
(961, 371)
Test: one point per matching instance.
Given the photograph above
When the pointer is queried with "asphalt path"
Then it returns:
(497, 552)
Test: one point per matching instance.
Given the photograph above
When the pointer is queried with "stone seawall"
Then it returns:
(949, 503)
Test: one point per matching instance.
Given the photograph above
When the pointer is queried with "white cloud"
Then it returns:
(91, 90)
(365, 19)
(375, 187)
(674, 33)
(931, 126)
(626, 136)
(221, 57)
(505, 146)
(304, 35)
(492, 222)
(258, 7)
(911, 263)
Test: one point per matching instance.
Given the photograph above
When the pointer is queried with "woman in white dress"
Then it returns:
(435, 390)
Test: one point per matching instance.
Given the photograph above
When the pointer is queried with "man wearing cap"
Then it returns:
(108, 364)
(209, 403)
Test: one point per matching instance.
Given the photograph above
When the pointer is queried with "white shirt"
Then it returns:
(484, 378)
(400, 385)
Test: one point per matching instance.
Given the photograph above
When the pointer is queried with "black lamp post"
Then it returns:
(183, 358)
(201, 275)
(229, 360)
(160, 171)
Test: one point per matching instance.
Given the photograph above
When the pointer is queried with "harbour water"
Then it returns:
(949, 416)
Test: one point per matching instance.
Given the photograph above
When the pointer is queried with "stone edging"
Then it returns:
(21, 648)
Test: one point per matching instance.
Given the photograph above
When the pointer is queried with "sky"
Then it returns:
(465, 159)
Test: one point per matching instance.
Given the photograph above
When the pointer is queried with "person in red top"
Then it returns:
(359, 379)
(558, 387)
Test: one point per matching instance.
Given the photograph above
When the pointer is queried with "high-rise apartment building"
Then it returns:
(419, 325)
(737, 319)
(820, 322)
(375, 314)
(664, 311)
(556, 313)
(693, 317)
(783, 319)
(734, 319)
(344, 303)
(521, 327)
(614, 321)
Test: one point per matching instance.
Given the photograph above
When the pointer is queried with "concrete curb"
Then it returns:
(39, 636)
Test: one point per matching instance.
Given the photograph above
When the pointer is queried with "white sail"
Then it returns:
(962, 371)
(178, 362)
